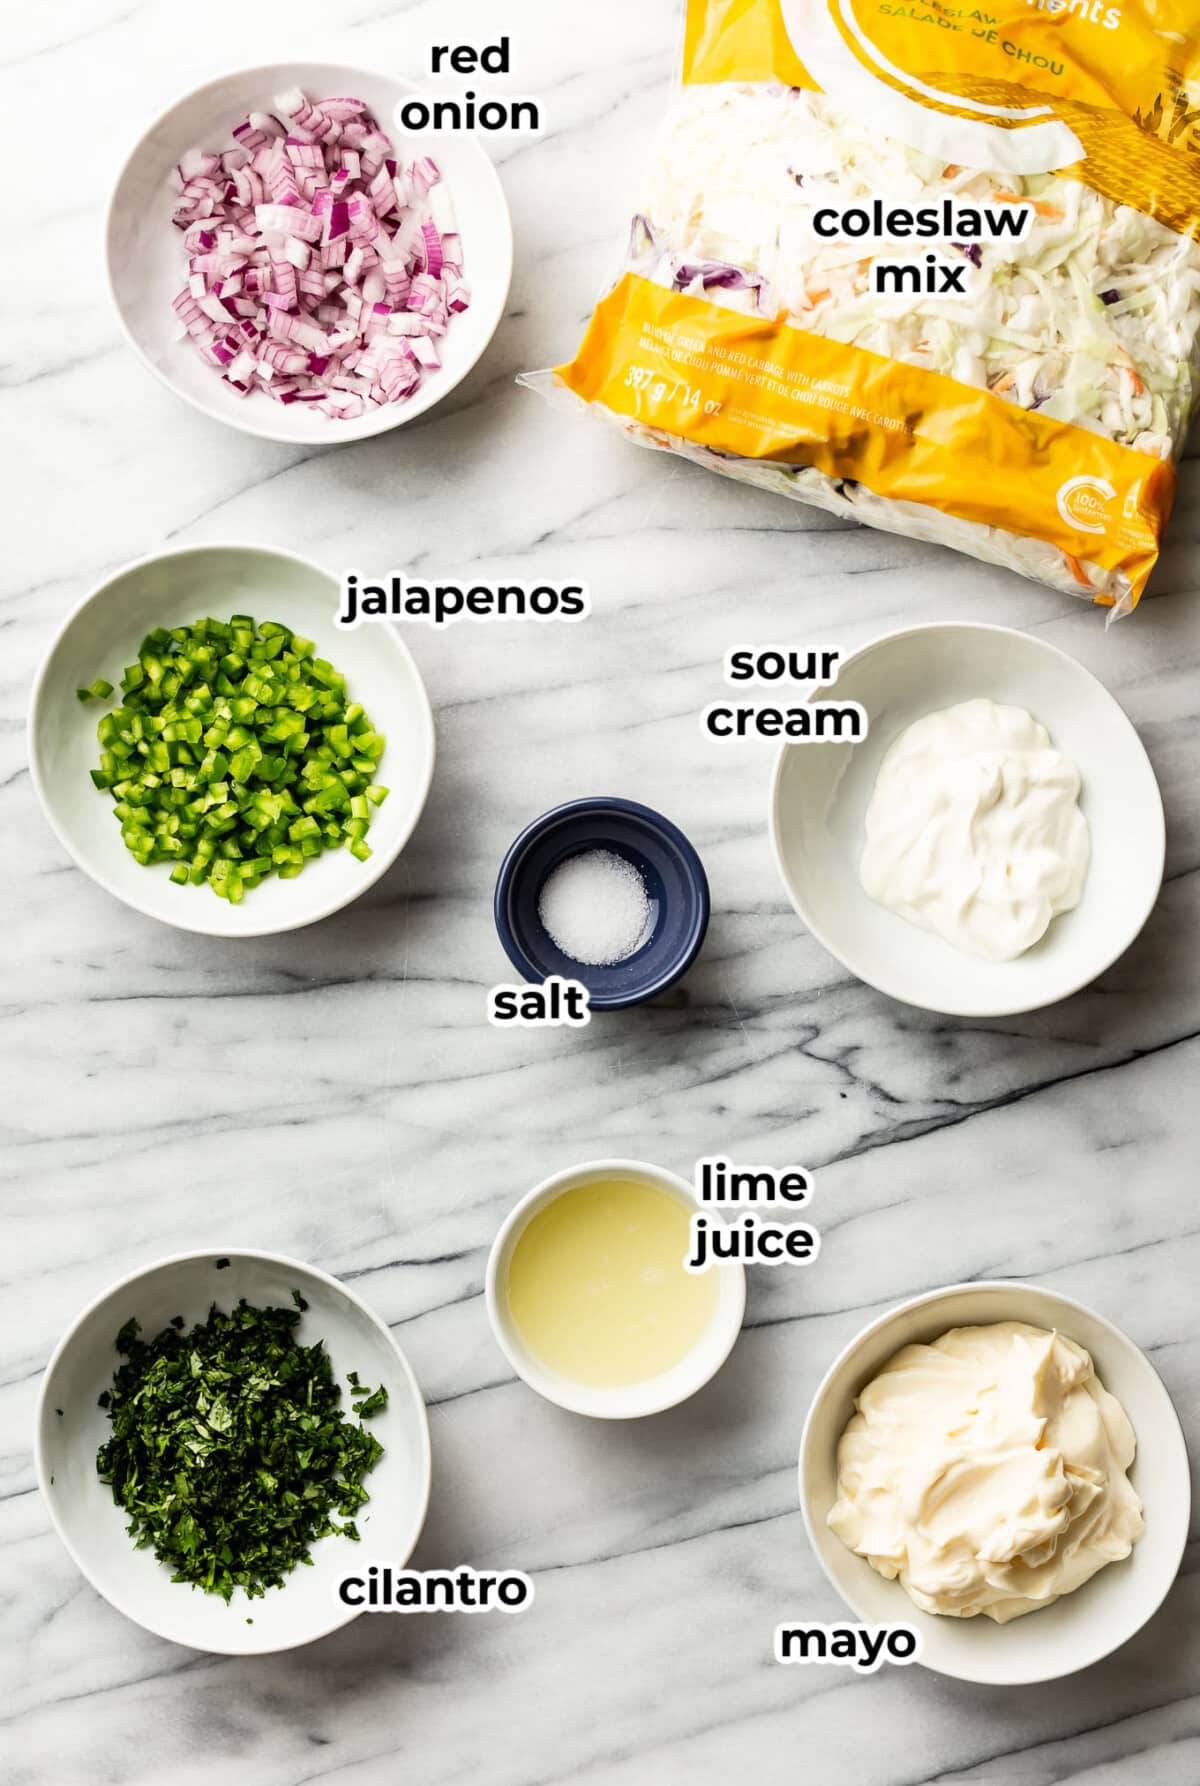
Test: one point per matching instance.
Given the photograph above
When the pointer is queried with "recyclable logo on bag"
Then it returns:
(1083, 503)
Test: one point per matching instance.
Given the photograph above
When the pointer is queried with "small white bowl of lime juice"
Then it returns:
(590, 1299)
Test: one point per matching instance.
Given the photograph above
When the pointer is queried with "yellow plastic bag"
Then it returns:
(929, 264)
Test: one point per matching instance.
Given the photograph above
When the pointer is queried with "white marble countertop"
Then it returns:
(336, 1093)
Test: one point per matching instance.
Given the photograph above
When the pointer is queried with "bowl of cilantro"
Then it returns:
(222, 1440)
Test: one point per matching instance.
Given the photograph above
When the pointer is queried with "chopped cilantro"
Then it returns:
(230, 1450)
(375, 1399)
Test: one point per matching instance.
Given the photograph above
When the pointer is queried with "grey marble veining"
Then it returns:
(337, 1094)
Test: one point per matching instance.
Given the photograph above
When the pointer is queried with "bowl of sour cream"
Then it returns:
(995, 842)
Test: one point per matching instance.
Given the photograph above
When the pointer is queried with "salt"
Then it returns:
(594, 908)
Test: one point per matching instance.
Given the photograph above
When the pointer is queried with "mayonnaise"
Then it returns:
(974, 829)
(987, 1472)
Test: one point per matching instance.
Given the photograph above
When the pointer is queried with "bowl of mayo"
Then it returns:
(993, 844)
(1000, 1471)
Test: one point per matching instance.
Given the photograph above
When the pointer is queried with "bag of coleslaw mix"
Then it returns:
(927, 263)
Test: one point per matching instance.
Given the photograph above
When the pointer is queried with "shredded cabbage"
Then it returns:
(1092, 317)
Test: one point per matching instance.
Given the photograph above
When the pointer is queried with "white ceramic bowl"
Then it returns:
(102, 636)
(1080, 1628)
(632, 1400)
(147, 265)
(820, 795)
(93, 1527)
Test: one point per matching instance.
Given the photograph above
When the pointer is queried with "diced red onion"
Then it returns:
(320, 270)
(441, 209)
(257, 129)
(433, 249)
(213, 308)
(284, 287)
(282, 358)
(304, 115)
(425, 351)
(288, 220)
(396, 283)
(280, 176)
(303, 154)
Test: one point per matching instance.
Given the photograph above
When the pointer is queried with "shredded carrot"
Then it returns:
(1005, 382)
(951, 168)
(1077, 570)
(1039, 205)
(1135, 381)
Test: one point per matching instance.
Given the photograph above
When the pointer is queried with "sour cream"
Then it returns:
(974, 829)
(987, 1472)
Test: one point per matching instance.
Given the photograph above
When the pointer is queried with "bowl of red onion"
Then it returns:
(289, 262)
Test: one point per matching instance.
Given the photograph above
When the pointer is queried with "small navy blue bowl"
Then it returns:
(675, 882)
